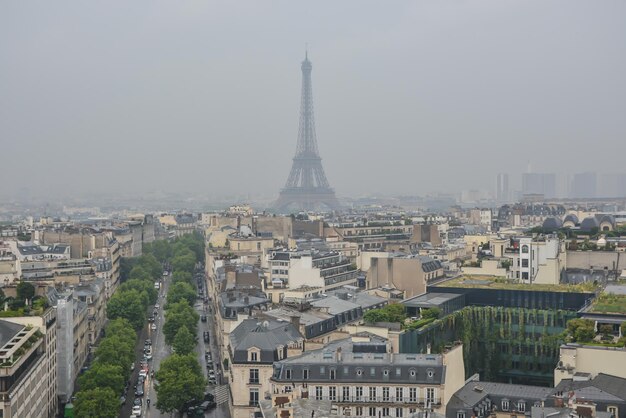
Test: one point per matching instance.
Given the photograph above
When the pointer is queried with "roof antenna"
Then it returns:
(306, 51)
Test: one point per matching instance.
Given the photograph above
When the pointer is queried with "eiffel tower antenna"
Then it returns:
(307, 187)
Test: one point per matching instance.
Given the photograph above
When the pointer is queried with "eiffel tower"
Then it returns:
(307, 187)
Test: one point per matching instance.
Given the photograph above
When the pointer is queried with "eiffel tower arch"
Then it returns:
(307, 187)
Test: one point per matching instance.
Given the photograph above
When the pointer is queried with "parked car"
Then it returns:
(206, 336)
(207, 405)
(143, 373)
(203, 318)
(137, 410)
(139, 391)
(137, 401)
(122, 400)
(147, 342)
(147, 356)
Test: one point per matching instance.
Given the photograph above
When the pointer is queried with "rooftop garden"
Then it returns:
(488, 282)
(396, 312)
(609, 303)
(582, 331)
(26, 303)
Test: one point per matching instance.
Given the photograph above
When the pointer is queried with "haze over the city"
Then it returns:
(410, 97)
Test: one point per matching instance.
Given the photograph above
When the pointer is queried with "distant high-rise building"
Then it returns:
(583, 185)
(612, 185)
(502, 187)
(539, 183)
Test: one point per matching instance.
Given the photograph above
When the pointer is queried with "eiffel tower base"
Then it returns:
(301, 199)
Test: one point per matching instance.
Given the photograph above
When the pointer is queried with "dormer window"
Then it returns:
(359, 372)
(521, 406)
(430, 373)
(386, 372)
(253, 355)
(332, 374)
(505, 404)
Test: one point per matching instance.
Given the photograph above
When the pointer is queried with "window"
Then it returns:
(385, 372)
(386, 412)
(430, 396)
(398, 371)
(430, 374)
(345, 393)
(254, 397)
(305, 374)
(358, 411)
(398, 394)
(254, 376)
(524, 275)
(372, 411)
(412, 373)
(460, 414)
(385, 394)
(372, 371)
(612, 410)
(254, 356)
(398, 412)
(372, 393)
(505, 405)
(521, 406)
(332, 374)
(322, 370)
(524, 249)
(412, 394)
(525, 262)
(358, 393)
(359, 372)
(318, 393)
(288, 374)
(332, 393)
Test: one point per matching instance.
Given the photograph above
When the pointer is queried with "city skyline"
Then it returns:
(158, 104)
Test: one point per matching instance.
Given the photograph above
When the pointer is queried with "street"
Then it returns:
(160, 351)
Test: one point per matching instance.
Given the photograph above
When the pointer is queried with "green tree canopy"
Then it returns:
(142, 286)
(25, 291)
(431, 313)
(151, 265)
(97, 403)
(129, 305)
(581, 330)
(375, 315)
(184, 341)
(139, 273)
(121, 328)
(181, 291)
(116, 351)
(102, 375)
(179, 315)
(180, 380)
(185, 262)
(182, 276)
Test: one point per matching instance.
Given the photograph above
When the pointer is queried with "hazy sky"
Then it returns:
(410, 96)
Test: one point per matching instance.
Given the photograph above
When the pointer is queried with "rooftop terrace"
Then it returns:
(487, 282)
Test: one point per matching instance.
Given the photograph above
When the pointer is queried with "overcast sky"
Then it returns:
(410, 97)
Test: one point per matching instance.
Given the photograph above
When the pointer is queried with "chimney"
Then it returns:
(338, 354)
(295, 320)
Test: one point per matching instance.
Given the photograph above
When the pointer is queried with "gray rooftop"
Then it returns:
(345, 361)
(8, 330)
(603, 387)
(428, 300)
(334, 304)
(265, 335)
(309, 317)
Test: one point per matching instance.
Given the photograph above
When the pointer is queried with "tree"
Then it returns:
(581, 330)
(129, 305)
(182, 276)
(25, 291)
(116, 351)
(151, 265)
(97, 403)
(184, 262)
(139, 273)
(180, 380)
(142, 286)
(122, 329)
(179, 315)
(375, 315)
(431, 313)
(184, 341)
(181, 291)
(102, 375)
(396, 312)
